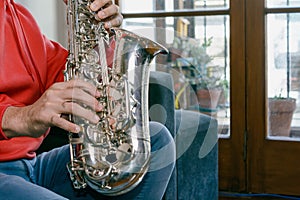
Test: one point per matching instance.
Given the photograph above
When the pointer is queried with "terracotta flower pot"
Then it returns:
(280, 116)
(208, 100)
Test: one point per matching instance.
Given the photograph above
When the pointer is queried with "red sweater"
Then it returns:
(29, 64)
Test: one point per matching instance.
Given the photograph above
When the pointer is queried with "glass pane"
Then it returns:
(283, 50)
(282, 3)
(198, 61)
(140, 6)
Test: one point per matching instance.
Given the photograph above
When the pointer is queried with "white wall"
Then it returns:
(50, 15)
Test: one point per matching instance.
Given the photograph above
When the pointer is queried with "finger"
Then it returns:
(97, 4)
(114, 22)
(77, 110)
(110, 11)
(89, 88)
(84, 85)
(65, 124)
(81, 97)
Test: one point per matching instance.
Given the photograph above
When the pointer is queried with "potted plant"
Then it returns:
(281, 110)
(208, 77)
(209, 89)
(205, 77)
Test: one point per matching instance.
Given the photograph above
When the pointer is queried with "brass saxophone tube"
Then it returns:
(113, 155)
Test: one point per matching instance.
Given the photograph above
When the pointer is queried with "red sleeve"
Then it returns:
(29, 64)
(56, 60)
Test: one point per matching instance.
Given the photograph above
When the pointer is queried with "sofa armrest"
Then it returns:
(161, 99)
(197, 156)
(196, 171)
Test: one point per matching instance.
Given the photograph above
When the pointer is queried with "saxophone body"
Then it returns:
(113, 155)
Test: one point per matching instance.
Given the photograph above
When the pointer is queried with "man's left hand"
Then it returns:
(107, 12)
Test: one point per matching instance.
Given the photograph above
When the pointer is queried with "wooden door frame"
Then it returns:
(274, 166)
(256, 84)
(232, 154)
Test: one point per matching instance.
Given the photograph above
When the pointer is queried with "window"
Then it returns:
(197, 36)
(283, 63)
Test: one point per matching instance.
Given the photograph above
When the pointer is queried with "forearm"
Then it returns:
(16, 122)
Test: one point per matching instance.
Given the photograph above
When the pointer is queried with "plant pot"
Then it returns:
(280, 116)
(208, 100)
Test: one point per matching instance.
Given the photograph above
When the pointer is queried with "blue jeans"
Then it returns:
(46, 176)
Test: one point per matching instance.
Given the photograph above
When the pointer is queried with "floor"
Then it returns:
(256, 197)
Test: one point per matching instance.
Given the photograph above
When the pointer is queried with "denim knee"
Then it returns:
(163, 151)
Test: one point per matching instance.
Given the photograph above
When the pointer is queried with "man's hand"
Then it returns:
(61, 98)
(107, 12)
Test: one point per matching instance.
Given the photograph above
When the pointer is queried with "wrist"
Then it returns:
(11, 122)
(2, 110)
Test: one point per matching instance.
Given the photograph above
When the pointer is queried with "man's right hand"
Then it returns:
(60, 99)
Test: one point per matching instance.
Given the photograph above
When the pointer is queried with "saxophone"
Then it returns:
(113, 155)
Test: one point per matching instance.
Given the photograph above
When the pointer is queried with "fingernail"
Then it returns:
(97, 119)
(108, 25)
(93, 6)
(101, 14)
(97, 93)
(77, 129)
(99, 107)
